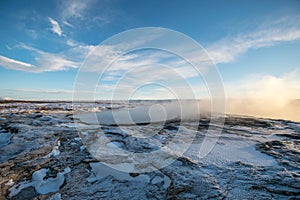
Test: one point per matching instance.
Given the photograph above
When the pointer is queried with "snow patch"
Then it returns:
(82, 148)
(10, 182)
(101, 170)
(114, 145)
(55, 152)
(41, 185)
(56, 196)
(4, 139)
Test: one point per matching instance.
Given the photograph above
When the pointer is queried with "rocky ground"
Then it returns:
(43, 157)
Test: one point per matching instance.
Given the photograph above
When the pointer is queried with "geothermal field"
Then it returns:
(48, 151)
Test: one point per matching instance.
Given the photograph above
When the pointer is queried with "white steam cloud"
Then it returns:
(266, 96)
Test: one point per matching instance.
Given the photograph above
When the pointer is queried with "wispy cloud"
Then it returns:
(37, 94)
(15, 64)
(45, 91)
(55, 26)
(223, 51)
(46, 62)
(43, 61)
(75, 11)
(71, 43)
(49, 61)
(269, 34)
(43, 94)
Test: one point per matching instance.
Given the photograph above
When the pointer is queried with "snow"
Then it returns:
(83, 147)
(4, 138)
(157, 179)
(55, 152)
(167, 182)
(237, 162)
(56, 196)
(114, 145)
(101, 170)
(10, 182)
(228, 149)
(41, 185)
(17, 188)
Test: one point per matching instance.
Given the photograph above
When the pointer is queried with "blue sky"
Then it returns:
(254, 44)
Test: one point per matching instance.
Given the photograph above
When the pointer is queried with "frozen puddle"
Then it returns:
(41, 185)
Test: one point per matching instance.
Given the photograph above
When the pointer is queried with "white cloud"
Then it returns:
(73, 12)
(225, 50)
(15, 64)
(50, 91)
(282, 30)
(37, 94)
(52, 62)
(55, 26)
(44, 61)
(142, 68)
(71, 43)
